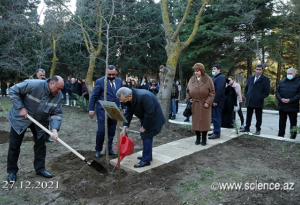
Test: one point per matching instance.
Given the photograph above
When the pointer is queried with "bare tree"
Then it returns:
(174, 47)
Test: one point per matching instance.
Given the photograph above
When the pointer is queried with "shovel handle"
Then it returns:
(58, 139)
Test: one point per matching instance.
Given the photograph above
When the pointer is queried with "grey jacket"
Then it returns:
(35, 96)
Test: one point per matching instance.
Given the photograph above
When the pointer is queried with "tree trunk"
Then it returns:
(167, 78)
(89, 75)
(298, 54)
(249, 67)
(278, 75)
(54, 61)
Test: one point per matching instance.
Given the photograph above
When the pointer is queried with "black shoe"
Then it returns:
(45, 174)
(98, 154)
(210, 134)
(113, 153)
(197, 140)
(203, 143)
(11, 178)
(142, 164)
(257, 132)
(214, 136)
(49, 139)
(170, 115)
(186, 120)
(140, 158)
(244, 130)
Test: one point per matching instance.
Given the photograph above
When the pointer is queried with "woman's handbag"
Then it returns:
(236, 108)
(188, 110)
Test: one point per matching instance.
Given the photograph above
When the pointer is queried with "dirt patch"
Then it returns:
(184, 181)
(4, 137)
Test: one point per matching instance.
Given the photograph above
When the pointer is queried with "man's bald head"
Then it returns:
(56, 84)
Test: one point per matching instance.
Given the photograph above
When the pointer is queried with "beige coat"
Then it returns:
(201, 92)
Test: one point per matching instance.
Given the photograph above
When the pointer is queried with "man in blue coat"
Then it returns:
(147, 108)
(218, 103)
(113, 84)
(256, 90)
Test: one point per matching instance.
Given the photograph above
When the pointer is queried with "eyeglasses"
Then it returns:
(111, 74)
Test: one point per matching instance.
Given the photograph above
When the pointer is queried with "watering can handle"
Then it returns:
(126, 135)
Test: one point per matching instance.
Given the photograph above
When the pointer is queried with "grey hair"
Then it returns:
(40, 70)
(291, 69)
(125, 91)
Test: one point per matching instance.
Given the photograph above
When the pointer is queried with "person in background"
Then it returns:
(3, 88)
(288, 96)
(174, 95)
(85, 92)
(153, 87)
(40, 74)
(237, 88)
(256, 90)
(187, 119)
(229, 103)
(147, 108)
(42, 100)
(143, 83)
(72, 91)
(79, 87)
(128, 82)
(218, 104)
(179, 90)
(133, 84)
(124, 83)
(64, 91)
(113, 84)
(200, 91)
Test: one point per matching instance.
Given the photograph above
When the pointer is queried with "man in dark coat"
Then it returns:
(113, 84)
(288, 95)
(256, 90)
(218, 104)
(147, 108)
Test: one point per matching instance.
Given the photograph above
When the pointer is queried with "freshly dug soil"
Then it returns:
(187, 180)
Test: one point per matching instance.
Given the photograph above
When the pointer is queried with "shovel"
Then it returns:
(92, 163)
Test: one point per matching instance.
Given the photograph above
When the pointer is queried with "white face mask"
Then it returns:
(213, 73)
(290, 77)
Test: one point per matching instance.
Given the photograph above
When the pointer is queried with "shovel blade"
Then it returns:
(99, 167)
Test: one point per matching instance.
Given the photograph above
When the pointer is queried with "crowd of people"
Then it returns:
(213, 100)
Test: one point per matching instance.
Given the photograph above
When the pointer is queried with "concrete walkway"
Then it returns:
(174, 150)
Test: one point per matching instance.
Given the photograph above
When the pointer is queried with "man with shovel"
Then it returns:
(42, 100)
(144, 105)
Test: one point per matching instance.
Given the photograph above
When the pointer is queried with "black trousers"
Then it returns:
(282, 122)
(258, 114)
(15, 142)
(240, 113)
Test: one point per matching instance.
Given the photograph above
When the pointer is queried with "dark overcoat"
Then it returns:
(147, 108)
(219, 84)
(228, 110)
(201, 92)
(288, 89)
(255, 93)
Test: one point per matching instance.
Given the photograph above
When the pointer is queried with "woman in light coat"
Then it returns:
(200, 91)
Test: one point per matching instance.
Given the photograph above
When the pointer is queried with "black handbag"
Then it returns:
(188, 110)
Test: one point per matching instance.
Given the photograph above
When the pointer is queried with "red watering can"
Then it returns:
(126, 147)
